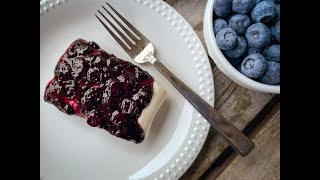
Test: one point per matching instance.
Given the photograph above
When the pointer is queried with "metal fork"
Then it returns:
(142, 51)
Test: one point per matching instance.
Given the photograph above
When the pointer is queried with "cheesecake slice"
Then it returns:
(108, 92)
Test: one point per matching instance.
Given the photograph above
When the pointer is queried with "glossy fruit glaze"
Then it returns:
(109, 92)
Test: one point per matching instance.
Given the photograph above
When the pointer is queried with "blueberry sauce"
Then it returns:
(107, 91)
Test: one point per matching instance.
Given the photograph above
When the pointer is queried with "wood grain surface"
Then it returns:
(263, 162)
(238, 104)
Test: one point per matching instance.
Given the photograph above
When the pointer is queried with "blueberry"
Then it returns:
(243, 6)
(272, 74)
(219, 24)
(63, 71)
(254, 65)
(235, 61)
(128, 106)
(272, 53)
(276, 31)
(113, 87)
(257, 1)
(127, 79)
(258, 35)
(229, 17)
(118, 118)
(222, 7)
(94, 75)
(238, 50)
(264, 12)
(93, 119)
(226, 39)
(91, 99)
(252, 50)
(239, 23)
(273, 39)
(277, 18)
(79, 67)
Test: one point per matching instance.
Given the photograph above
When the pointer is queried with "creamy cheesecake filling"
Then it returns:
(147, 116)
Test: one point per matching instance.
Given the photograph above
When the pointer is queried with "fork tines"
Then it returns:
(126, 42)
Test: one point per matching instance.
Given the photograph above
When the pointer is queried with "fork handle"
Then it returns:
(234, 136)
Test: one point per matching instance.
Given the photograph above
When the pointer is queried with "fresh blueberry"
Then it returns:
(277, 18)
(222, 7)
(219, 24)
(243, 6)
(272, 53)
(235, 61)
(264, 12)
(273, 39)
(276, 31)
(258, 35)
(272, 74)
(229, 17)
(254, 65)
(226, 39)
(239, 23)
(238, 50)
(274, 1)
(252, 50)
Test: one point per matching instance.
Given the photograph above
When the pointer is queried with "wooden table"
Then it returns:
(256, 114)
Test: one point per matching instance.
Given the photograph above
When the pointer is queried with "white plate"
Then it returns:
(70, 149)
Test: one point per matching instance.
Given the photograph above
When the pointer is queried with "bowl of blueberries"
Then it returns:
(243, 39)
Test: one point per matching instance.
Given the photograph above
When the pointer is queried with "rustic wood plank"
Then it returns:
(171, 2)
(241, 106)
(263, 162)
(236, 103)
(193, 12)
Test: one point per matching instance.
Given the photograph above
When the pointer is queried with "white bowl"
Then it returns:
(223, 64)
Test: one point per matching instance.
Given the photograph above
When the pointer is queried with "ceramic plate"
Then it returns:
(70, 149)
